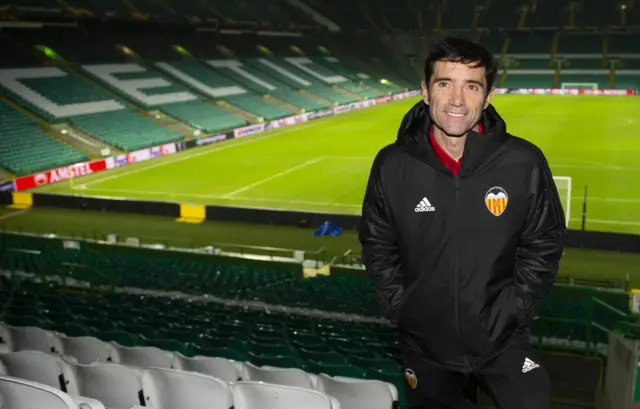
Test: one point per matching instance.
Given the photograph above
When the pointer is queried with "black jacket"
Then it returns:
(458, 262)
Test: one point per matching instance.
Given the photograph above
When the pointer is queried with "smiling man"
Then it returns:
(462, 231)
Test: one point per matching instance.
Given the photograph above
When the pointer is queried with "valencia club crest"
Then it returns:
(496, 200)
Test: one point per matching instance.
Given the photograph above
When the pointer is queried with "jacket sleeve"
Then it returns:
(541, 242)
(380, 253)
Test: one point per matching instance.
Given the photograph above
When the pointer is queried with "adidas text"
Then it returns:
(425, 206)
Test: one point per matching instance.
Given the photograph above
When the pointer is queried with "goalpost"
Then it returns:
(579, 85)
(563, 185)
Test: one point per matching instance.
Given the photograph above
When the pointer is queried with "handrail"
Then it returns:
(59, 234)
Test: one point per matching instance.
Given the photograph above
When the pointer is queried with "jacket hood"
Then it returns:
(479, 148)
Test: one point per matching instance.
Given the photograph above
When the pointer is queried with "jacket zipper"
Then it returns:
(455, 274)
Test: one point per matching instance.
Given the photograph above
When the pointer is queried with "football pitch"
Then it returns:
(323, 165)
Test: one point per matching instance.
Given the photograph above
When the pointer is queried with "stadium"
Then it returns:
(181, 184)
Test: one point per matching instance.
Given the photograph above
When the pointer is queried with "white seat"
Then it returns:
(86, 349)
(32, 338)
(392, 387)
(20, 394)
(172, 388)
(34, 366)
(279, 376)
(47, 369)
(141, 356)
(116, 386)
(259, 395)
(217, 367)
(357, 393)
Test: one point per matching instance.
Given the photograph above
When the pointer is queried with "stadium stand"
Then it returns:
(26, 148)
(127, 130)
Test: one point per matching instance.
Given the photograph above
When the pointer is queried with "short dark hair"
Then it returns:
(462, 50)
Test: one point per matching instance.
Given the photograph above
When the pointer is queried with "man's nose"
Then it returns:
(457, 97)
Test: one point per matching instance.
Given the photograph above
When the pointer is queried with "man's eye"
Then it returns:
(443, 84)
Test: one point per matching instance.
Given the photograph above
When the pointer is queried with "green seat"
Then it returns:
(119, 337)
(225, 352)
(172, 345)
(272, 349)
(277, 360)
(349, 371)
(332, 357)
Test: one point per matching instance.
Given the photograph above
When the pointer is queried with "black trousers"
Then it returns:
(516, 379)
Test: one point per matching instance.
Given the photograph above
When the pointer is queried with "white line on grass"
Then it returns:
(601, 221)
(277, 175)
(593, 164)
(239, 199)
(607, 199)
(197, 154)
(17, 213)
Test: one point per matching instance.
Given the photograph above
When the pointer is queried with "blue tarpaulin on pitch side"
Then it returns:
(328, 229)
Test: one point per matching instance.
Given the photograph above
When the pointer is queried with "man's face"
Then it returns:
(457, 95)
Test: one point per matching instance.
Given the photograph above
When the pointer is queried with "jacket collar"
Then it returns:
(479, 149)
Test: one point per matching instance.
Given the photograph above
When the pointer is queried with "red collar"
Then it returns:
(450, 163)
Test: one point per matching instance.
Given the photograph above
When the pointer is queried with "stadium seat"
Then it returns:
(116, 386)
(217, 367)
(33, 338)
(358, 393)
(47, 369)
(142, 356)
(20, 394)
(258, 395)
(169, 388)
(34, 366)
(279, 376)
(86, 349)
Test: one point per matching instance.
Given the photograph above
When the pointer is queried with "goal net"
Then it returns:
(579, 85)
(563, 185)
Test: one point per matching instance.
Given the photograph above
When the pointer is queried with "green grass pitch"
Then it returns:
(323, 165)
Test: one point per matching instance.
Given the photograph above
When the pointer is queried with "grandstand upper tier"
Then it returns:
(122, 87)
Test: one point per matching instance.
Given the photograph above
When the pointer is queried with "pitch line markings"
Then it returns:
(602, 221)
(239, 199)
(197, 154)
(277, 175)
(17, 213)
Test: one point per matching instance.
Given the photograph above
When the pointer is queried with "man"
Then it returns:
(462, 231)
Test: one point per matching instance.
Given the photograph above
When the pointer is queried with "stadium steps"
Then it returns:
(232, 109)
(282, 104)
(318, 98)
(81, 140)
(348, 92)
(47, 130)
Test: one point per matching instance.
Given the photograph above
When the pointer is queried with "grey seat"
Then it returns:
(217, 367)
(86, 349)
(171, 388)
(357, 393)
(259, 395)
(18, 393)
(279, 376)
(141, 356)
(116, 386)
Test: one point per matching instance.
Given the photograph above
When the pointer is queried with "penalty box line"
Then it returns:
(220, 197)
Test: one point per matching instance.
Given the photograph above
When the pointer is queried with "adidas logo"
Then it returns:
(529, 365)
(425, 206)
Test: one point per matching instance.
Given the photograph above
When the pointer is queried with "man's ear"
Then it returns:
(425, 92)
(488, 99)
